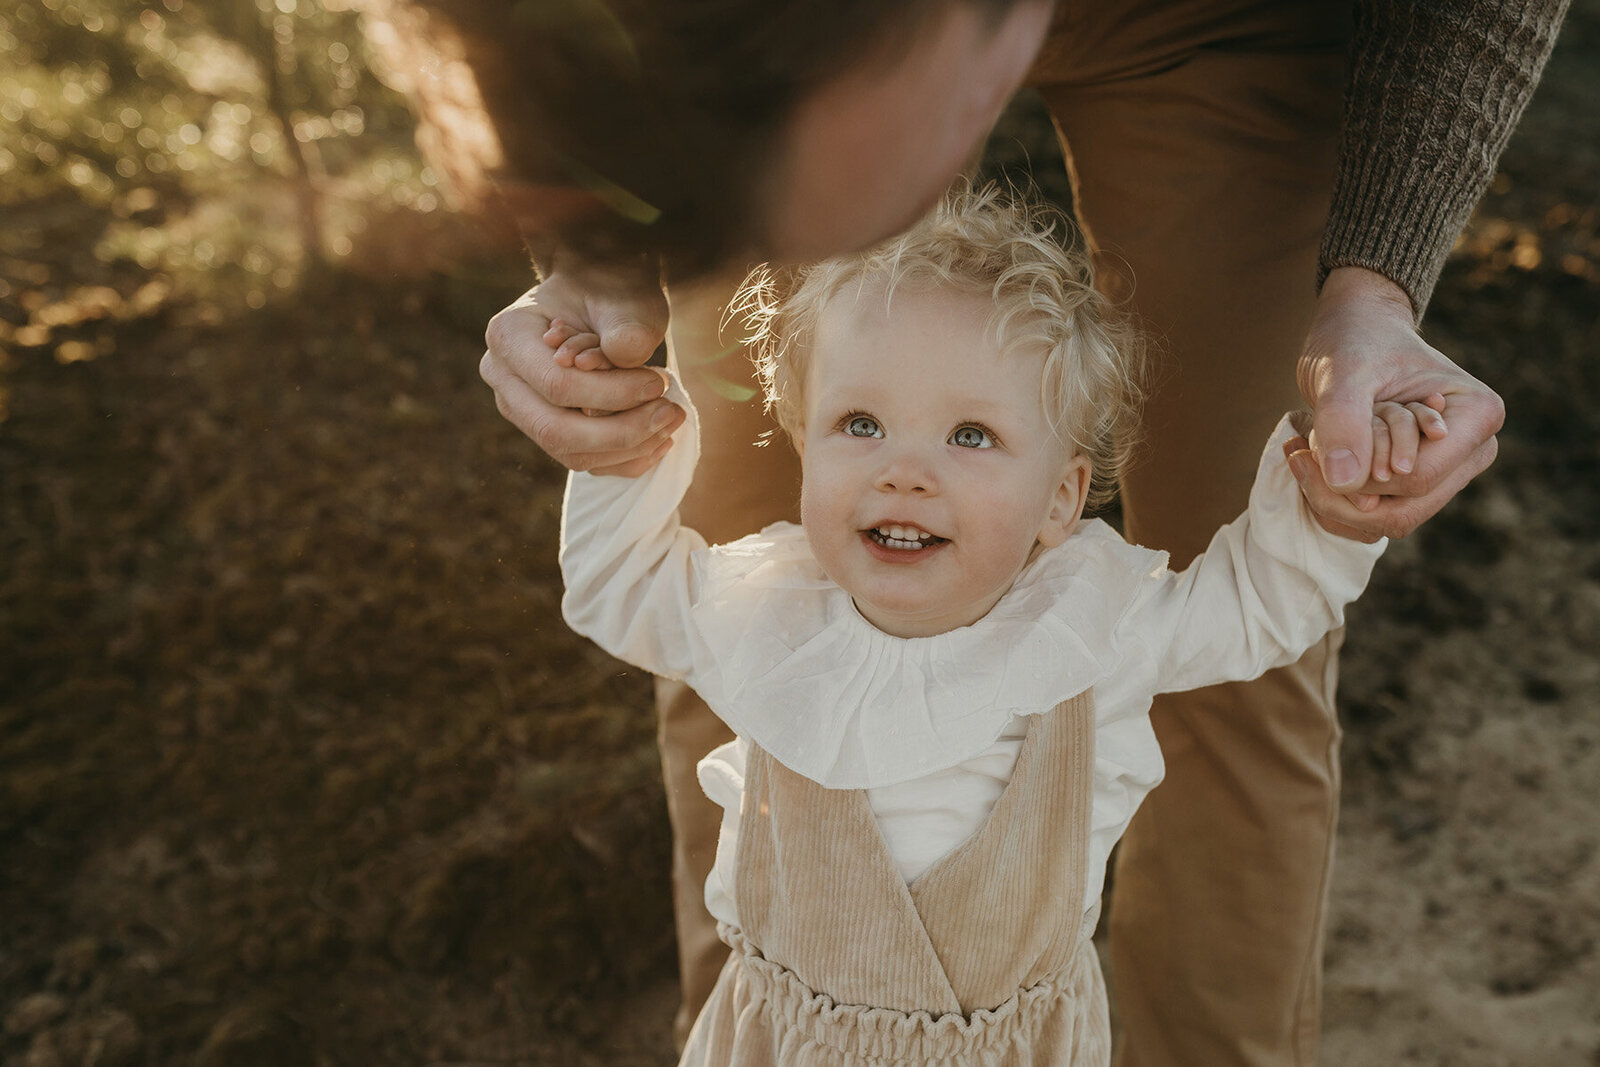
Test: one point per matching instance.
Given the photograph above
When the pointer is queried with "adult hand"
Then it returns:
(603, 415)
(1363, 348)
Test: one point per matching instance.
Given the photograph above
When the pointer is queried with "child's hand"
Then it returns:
(1398, 431)
(546, 401)
(575, 349)
(578, 350)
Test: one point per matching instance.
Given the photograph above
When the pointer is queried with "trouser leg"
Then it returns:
(1209, 179)
(738, 489)
(686, 730)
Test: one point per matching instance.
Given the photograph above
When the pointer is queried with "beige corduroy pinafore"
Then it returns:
(981, 962)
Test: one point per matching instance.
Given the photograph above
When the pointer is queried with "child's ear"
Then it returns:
(1066, 507)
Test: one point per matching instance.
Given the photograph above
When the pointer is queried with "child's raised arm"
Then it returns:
(1268, 587)
(626, 561)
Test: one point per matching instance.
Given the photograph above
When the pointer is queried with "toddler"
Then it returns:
(940, 679)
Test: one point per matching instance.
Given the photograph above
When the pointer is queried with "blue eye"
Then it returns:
(863, 426)
(971, 437)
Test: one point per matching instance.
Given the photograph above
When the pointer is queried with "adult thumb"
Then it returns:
(1341, 439)
(631, 330)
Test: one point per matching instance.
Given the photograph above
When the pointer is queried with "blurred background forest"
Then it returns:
(298, 764)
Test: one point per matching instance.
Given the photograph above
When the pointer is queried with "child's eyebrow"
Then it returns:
(987, 407)
(966, 409)
(987, 410)
(854, 395)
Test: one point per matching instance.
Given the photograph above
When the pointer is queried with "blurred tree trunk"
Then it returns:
(269, 37)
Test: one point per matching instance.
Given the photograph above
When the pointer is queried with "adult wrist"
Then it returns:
(1345, 285)
(628, 275)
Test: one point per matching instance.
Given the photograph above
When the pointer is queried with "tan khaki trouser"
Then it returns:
(1202, 144)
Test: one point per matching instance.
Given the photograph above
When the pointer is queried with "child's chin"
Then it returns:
(911, 619)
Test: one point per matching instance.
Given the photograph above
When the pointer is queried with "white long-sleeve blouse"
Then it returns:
(930, 727)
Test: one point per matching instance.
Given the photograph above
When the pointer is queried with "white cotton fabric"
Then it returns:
(931, 726)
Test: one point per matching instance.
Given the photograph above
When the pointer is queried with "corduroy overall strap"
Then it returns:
(819, 894)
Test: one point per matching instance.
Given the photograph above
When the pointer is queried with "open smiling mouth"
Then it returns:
(902, 537)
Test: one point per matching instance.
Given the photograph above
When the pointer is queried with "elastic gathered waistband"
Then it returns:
(804, 1016)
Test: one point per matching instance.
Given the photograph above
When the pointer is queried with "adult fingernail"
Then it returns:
(1297, 467)
(1341, 469)
(663, 416)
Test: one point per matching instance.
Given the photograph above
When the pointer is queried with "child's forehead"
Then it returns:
(874, 297)
(930, 351)
(938, 315)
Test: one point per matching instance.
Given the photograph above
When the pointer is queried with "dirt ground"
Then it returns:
(299, 766)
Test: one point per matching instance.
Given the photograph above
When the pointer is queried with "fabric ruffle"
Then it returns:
(831, 697)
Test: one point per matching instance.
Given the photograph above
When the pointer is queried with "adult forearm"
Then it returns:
(1434, 91)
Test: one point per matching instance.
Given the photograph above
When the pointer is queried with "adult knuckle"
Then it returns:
(489, 370)
(547, 432)
(549, 382)
(1490, 450)
(1403, 522)
(1497, 412)
(497, 334)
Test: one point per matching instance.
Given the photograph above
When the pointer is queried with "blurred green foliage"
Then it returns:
(231, 142)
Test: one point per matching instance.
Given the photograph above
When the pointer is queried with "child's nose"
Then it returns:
(907, 472)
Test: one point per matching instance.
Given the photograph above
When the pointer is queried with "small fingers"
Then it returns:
(1382, 445)
(1367, 518)
(1396, 435)
(579, 345)
(558, 332)
(1429, 414)
(574, 348)
(591, 359)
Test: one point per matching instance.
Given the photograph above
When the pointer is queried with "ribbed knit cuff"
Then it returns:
(1434, 92)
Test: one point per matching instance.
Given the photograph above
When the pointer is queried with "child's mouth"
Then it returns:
(905, 538)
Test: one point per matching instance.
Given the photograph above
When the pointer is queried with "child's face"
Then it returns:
(930, 469)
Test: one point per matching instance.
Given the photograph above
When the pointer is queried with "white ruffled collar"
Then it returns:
(802, 674)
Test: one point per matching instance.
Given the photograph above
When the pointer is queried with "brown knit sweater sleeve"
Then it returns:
(1435, 88)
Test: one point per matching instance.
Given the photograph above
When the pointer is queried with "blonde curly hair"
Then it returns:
(1031, 260)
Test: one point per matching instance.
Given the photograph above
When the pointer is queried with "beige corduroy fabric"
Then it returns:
(983, 961)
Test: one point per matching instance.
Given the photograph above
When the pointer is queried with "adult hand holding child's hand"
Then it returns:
(547, 398)
(1363, 349)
